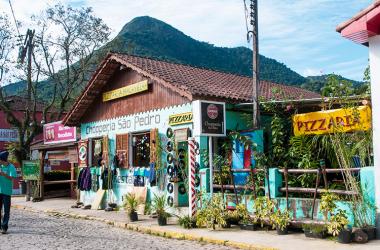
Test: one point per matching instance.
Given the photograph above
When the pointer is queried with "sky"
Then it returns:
(298, 33)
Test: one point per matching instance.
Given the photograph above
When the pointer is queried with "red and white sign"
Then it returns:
(56, 133)
(212, 111)
(83, 153)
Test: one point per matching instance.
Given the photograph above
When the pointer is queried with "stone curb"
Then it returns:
(149, 230)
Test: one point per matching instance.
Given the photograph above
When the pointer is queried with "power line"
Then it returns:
(14, 18)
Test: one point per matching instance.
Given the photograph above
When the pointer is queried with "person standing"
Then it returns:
(7, 173)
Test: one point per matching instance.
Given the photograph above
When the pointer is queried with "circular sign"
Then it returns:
(170, 158)
(170, 170)
(170, 201)
(169, 133)
(212, 111)
(170, 188)
(169, 146)
(83, 153)
(182, 189)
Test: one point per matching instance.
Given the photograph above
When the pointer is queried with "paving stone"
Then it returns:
(35, 231)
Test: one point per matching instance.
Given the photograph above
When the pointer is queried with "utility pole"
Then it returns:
(27, 51)
(255, 62)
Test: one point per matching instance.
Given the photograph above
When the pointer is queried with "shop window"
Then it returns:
(141, 149)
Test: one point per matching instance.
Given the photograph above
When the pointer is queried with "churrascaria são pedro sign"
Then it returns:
(31, 170)
(330, 121)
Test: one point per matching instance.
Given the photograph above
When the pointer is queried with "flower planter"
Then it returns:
(314, 234)
(113, 205)
(345, 236)
(370, 231)
(249, 227)
(282, 231)
(133, 216)
(162, 220)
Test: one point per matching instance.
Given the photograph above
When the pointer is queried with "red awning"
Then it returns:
(364, 25)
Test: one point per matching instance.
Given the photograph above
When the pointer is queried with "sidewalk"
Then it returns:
(231, 237)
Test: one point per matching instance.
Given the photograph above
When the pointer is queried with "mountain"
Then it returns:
(146, 36)
(316, 83)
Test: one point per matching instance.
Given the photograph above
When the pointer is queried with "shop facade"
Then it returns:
(136, 116)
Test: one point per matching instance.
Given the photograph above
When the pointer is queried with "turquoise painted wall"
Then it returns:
(130, 124)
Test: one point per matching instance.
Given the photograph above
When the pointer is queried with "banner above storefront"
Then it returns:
(8, 135)
(209, 118)
(181, 119)
(57, 133)
(336, 120)
(125, 91)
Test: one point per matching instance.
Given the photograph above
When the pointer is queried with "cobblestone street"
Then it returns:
(39, 231)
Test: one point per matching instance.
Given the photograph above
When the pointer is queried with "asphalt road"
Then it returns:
(40, 231)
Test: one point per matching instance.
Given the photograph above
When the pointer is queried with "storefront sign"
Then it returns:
(31, 170)
(337, 120)
(209, 118)
(57, 133)
(125, 91)
(181, 119)
(83, 153)
(136, 122)
(132, 123)
(8, 135)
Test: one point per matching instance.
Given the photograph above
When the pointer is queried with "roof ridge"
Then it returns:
(202, 68)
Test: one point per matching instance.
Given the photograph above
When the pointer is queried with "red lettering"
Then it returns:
(313, 123)
(322, 126)
(299, 125)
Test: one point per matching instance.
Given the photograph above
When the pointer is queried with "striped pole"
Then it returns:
(192, 193)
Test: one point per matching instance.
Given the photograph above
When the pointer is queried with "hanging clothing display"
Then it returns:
(94, 182)
(84, 179)
(107, 177)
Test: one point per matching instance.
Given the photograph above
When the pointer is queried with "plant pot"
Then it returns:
(370, 231)
(282, 231)
(345, 236)
(249, 227)
(113, 205)
(133, 216)
(312, 234)
(162, 220)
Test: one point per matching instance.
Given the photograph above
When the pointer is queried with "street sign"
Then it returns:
(31, 170)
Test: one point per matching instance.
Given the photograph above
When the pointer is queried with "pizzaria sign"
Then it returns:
(329, 121)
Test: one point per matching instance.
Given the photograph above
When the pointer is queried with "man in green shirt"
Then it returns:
(7, 173)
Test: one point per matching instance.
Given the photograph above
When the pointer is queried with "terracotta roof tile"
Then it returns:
(210, 83)
(190, 82)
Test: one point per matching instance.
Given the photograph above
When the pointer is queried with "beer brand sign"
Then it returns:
(180, 118)
(125, 91)
(330, 121)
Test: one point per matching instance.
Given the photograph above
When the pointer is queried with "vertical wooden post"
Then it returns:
(72, 179)
(315, 192)
(286, 187)
(41, 181)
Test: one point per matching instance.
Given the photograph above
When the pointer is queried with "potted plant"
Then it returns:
(263, 208)
(281, 221)
(187, 222)
(212, 214)
(338, 227)
(159, 207)
(130, 205)
(246, 222)
(315, 230)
